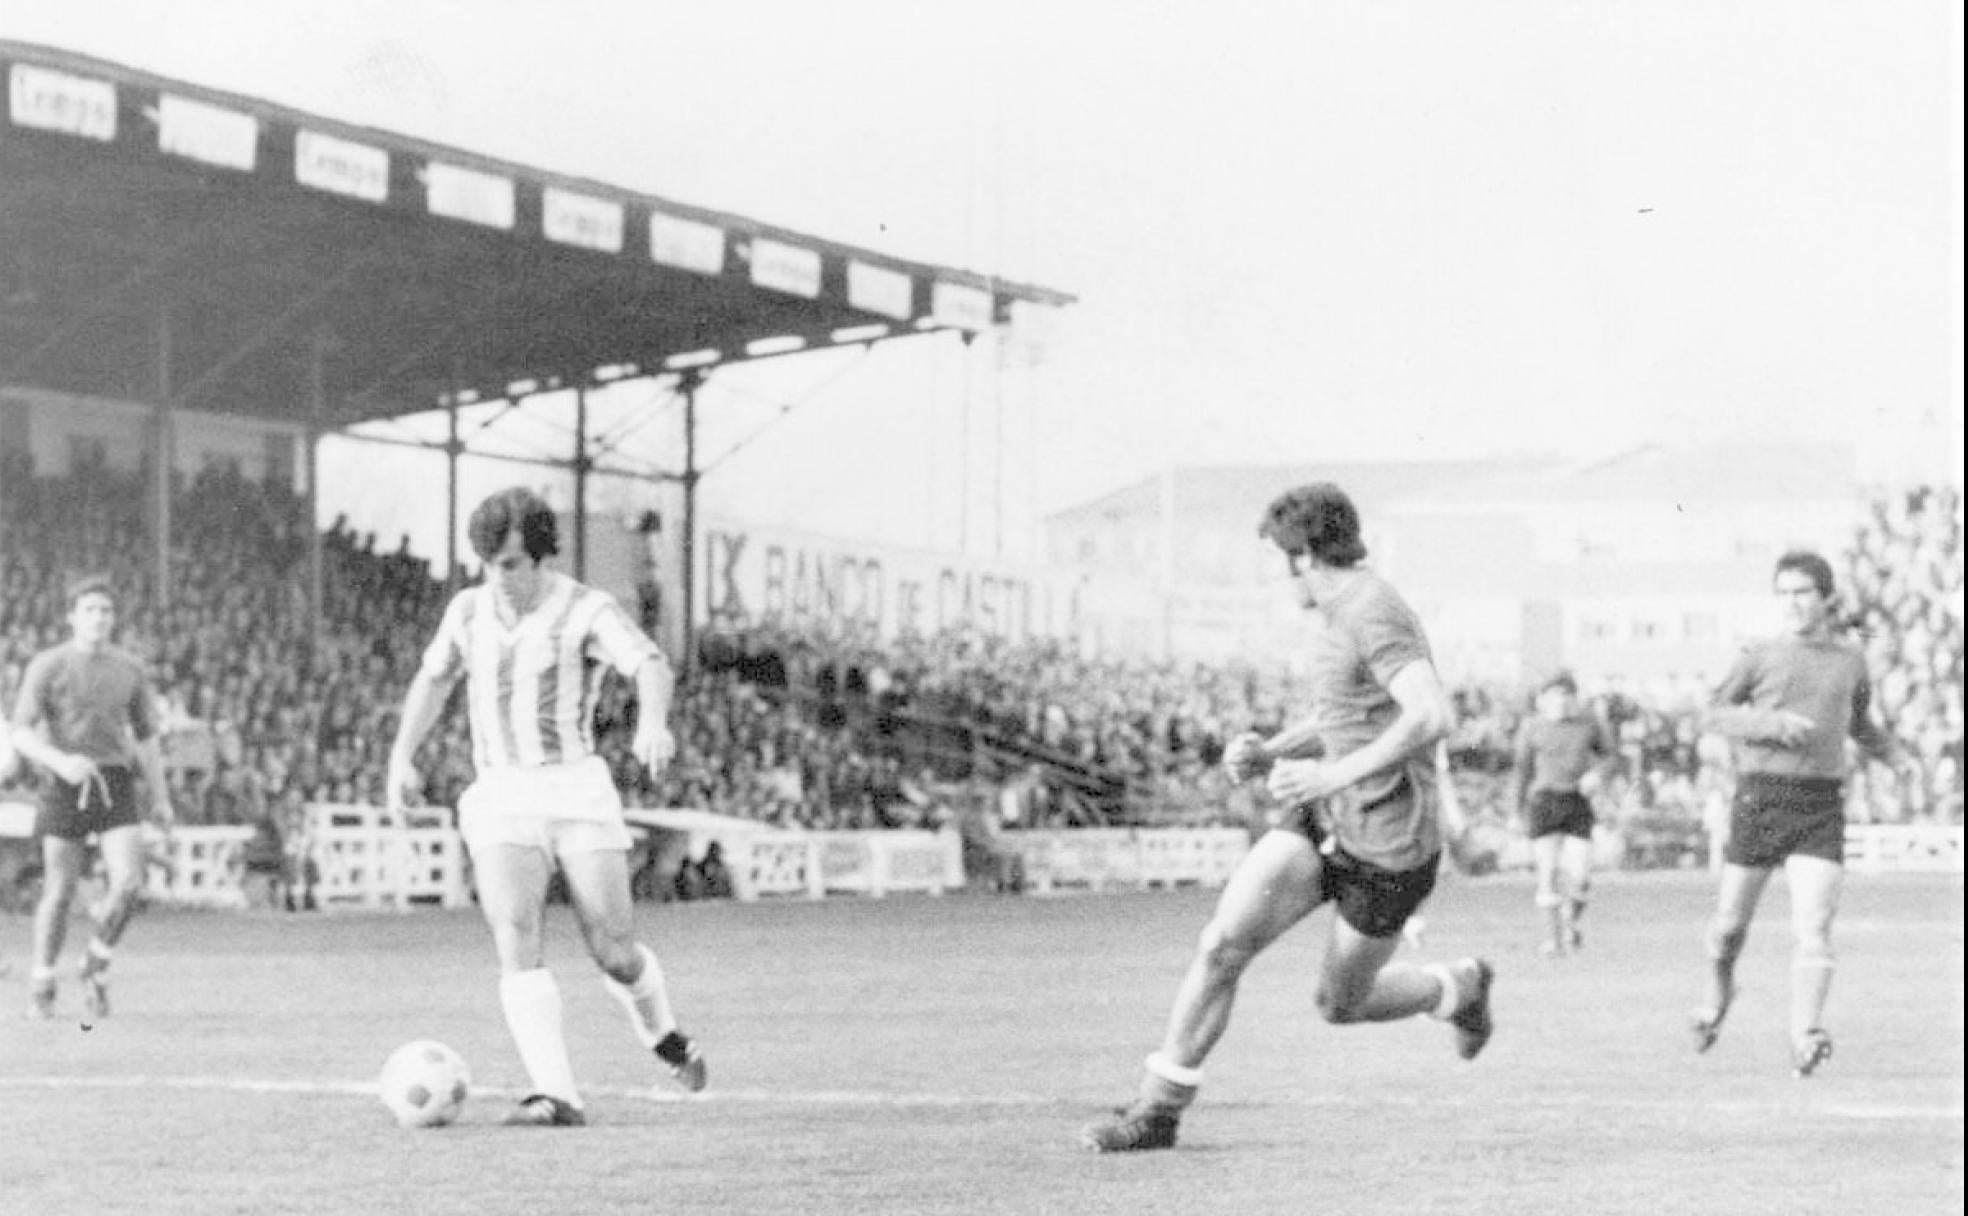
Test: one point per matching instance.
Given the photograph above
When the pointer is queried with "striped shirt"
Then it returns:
(531, 687)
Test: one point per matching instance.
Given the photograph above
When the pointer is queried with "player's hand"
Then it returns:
(1295, 782)
(1244, 758)
(654, 746)
(1792, 727)
(402, 785)
(76, 770)
(163, 814)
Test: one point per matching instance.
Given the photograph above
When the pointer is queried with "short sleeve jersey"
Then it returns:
(531, 687)
(1823, 679)
(1560, 753)
(92, 703)
(1364, 637)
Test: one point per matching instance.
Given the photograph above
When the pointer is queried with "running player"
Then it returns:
(1556, 749)
(85, 716)
(528, 643)
(1358, 772)
(1789, 705)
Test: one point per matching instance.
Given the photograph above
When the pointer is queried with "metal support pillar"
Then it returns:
(163, 458)
(581, 466)
(452, 449)
(688, 386)
(317, 407)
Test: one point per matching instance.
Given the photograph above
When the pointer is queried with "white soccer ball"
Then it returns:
(424, 1084)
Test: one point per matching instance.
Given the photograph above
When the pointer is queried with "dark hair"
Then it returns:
(1811, 566)
(1562, 680)
(520, 510)
(89, 584)
(1318, 519)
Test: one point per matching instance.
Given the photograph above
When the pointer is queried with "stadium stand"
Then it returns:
(806, 731)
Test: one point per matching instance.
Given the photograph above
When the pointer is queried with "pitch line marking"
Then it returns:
(767, 1097)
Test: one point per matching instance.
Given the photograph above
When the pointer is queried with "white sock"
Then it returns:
(1451, 998)
(647, 1000)
(531, 1000)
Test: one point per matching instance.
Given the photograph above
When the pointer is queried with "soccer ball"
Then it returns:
(424, 1084)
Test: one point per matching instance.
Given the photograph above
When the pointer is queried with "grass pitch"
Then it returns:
(928, 1056)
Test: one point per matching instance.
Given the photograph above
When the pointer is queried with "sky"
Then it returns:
(1297, 232)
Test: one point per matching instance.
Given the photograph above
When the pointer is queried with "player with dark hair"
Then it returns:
(1789, 705)
(1556, 749)
(1358, 775)
(85, 715)
(528, 644)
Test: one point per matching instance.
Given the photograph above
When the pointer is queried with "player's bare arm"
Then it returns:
(1250, 755)
(1424, 720)
(654, 745)
(1732, 716)
(422, 706)
(69, 766)
(1876, 743)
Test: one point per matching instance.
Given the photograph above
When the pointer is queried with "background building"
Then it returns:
(1649, 565)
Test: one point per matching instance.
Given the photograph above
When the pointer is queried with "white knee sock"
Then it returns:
(647, 1000)
(531, 1000)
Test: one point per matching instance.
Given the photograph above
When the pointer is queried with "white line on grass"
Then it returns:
(768, 1097)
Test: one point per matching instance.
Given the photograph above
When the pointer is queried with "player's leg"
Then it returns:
(62, 860)
(598, 887)
(124, 860)
(1273, 888)
(1735, 905)
(1575, 882)
(1358, 982)
(1550, 901)
(512, 890)
(1815, 886)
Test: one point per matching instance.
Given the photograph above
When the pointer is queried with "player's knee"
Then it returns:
(619, 960)
(1336, 1006)
(1813, 948)
(1225, 951)
(1726, 938)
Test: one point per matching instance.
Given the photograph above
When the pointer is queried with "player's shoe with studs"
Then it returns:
(1131, 1129)
(1810, 1052)
(1473, 1023)
(1705, 1024)
(545, 1110)
(685, 1060)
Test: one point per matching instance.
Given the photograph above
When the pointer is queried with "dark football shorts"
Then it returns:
(75, 812)
(1376, 901)
(1560, 812)
(1777, 817)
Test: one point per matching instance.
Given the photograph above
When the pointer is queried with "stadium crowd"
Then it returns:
(262, 716)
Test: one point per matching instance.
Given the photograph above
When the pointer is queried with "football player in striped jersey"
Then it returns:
(529, 644)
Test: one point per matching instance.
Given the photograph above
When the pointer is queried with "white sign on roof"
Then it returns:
(788, 268)
(340, 166)
(467, 194)
(56, 101)
(878, 289)
(576, 219)
(207, 133)
(686, 244)
(963, 307)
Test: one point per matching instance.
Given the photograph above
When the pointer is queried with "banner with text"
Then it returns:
(756, 576)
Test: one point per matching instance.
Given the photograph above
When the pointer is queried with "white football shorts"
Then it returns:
(556, 808)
